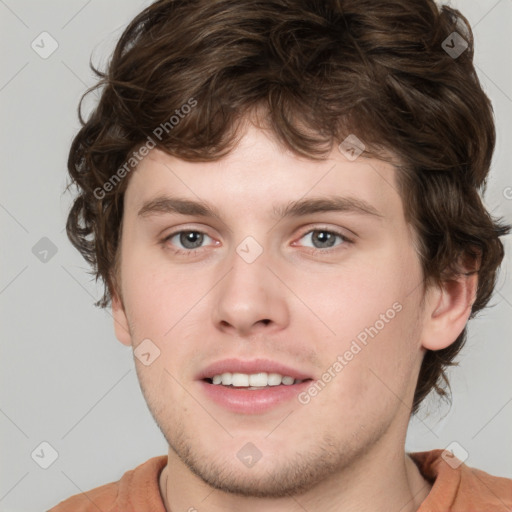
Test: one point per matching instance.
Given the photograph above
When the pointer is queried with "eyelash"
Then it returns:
(313, 250)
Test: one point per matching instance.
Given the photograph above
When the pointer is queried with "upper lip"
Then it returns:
(250, 367)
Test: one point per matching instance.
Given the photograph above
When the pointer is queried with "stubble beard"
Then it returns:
(289, 474)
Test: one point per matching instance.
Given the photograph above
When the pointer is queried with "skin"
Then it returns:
(344, 450)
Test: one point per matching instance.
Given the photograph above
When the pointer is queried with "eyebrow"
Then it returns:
(299, 208)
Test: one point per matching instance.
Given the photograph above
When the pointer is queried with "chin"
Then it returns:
(277, 474)
(291, 478)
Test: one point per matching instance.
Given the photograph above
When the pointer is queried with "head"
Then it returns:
(243, 106)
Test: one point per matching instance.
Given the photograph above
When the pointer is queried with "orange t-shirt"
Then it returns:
(455, 489)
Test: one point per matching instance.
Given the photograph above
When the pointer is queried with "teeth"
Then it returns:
(274, 379)
(226, 379)
(258, 379)
(253, 380)
(240, 380)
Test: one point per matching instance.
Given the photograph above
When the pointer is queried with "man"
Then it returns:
(282, 199)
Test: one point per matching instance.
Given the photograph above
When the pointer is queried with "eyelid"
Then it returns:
(335, 231)
(203, 230)
(343, 232)
(168, 237)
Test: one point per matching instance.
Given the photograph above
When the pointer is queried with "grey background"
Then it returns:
(65, 379)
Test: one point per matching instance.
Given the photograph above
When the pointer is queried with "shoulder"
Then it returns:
(102, 498)
(457, 486)
(134, 485)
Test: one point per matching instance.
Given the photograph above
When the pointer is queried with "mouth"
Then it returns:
(252, 381)
(252, 387)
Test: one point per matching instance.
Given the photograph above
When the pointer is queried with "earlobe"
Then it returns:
(447, 310)
(121, 326)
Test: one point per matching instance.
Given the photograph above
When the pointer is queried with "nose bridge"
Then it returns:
(250, 295)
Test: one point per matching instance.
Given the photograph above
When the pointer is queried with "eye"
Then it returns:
(325, 238)
(189, 240)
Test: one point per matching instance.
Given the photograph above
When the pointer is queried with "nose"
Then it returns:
(251, 298)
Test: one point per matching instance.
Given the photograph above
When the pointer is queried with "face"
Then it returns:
(276, 349)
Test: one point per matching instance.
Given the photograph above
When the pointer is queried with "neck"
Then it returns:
(382, 480)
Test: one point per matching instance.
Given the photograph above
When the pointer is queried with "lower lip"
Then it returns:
(252, 401)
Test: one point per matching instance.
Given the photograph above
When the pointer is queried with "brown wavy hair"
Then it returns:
(320, 70)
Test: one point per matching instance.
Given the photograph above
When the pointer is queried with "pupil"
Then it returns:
(188, 237)
(326, 237)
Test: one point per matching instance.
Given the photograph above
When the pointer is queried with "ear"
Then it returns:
(121, 326)
(447, 310)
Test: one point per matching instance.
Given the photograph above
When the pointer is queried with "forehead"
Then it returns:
(260, 177)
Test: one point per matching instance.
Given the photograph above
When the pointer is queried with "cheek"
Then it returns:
(351, 300)
(373, 347)
(168, 308)
(372, 379)
(157, 298)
